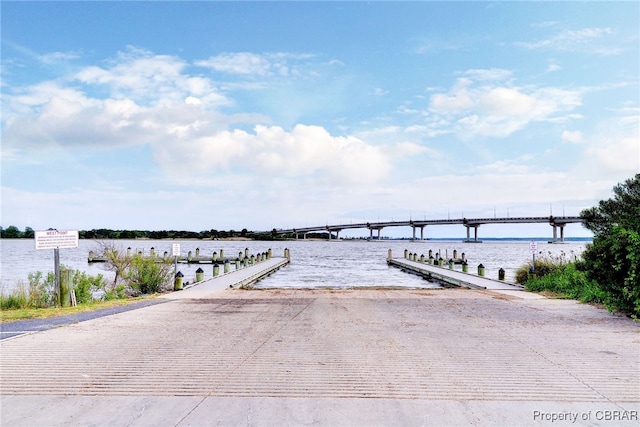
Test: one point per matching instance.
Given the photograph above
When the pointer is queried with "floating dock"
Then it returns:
(451, 277)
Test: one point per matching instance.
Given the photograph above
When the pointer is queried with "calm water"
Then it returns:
(313, 263)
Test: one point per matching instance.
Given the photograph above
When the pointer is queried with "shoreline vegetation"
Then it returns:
(607, 273)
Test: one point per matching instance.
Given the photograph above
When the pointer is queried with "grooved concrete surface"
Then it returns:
(330, 357)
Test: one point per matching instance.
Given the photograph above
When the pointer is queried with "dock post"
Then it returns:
(128, 252)
(240, 256)
(237, 263)
(481, 270)
(501, 274)
(253, 260)
(440, 261)
(422, 258)
(197, 253)
(216, 269)
(189, 256)
(246, 251)
(222, 254)
(465, 267)
(389, 255)
(152, 252)
(430, 259)
(199, 275)
(227, 267)
(287, 254)
(165, 256)
(450, 263)
(455, 254)
(406, 253)
(214, 257)
(177, 282)
(269, 254)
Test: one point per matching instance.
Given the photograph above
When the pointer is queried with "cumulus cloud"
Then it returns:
(306, 152)
(497, 108)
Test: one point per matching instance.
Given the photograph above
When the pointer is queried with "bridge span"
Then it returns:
(557, 222)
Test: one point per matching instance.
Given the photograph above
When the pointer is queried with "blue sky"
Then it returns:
(261, 115)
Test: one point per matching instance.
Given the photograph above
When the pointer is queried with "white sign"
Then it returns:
(56, 239)
(176, 249)
(533, 247)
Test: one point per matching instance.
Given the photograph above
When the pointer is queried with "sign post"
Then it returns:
(533, 248)
(176, 254)
(56, 240)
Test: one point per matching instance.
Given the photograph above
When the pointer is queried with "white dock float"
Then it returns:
(452, 277)
(234, 279)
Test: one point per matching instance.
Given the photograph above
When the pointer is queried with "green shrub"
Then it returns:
(41, 291)
(147, 276)
(116, 292)
(614, 262)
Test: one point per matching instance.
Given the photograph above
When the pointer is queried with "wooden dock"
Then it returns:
(452, 277)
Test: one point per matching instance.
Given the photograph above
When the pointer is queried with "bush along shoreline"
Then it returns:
(134, 276)
(609, 271)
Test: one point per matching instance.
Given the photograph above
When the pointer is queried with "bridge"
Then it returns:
(557, 222)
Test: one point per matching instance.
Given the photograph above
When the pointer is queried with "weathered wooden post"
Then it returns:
(246, 251)
(199, 275)
(216, 269)
(214, 257)
(227, 267)
(431, 260)
(406, 253)
(465, 267)
(240, 256)
(481, 270)
(389, 255)
(450, 263)
(189, 256)
(455, 254)
(501, 274)
(152, 252)
(222, 254)
(197, 253)
(253, 260)
(269, 254)
(128, 252)
(422, 258)
(287, 254)
(177, 282)
(237, 263)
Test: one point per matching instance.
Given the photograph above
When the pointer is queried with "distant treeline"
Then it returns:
(13, 232)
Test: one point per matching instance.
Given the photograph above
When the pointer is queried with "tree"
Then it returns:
(11, 232)
(613, 259)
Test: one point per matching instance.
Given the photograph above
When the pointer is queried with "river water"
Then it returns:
(346, 263)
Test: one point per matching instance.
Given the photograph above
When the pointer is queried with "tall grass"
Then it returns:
(561, 275)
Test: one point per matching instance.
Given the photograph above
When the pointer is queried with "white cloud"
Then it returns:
(573, 137)
(499, 108)
(255, 65)
(587, 40)
(307, 152)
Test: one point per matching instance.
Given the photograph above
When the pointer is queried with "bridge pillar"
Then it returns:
(475, 232)
(422, 233)
(555, 232)
(414, 234)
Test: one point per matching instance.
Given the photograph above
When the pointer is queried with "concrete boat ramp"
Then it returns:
(215, 355)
